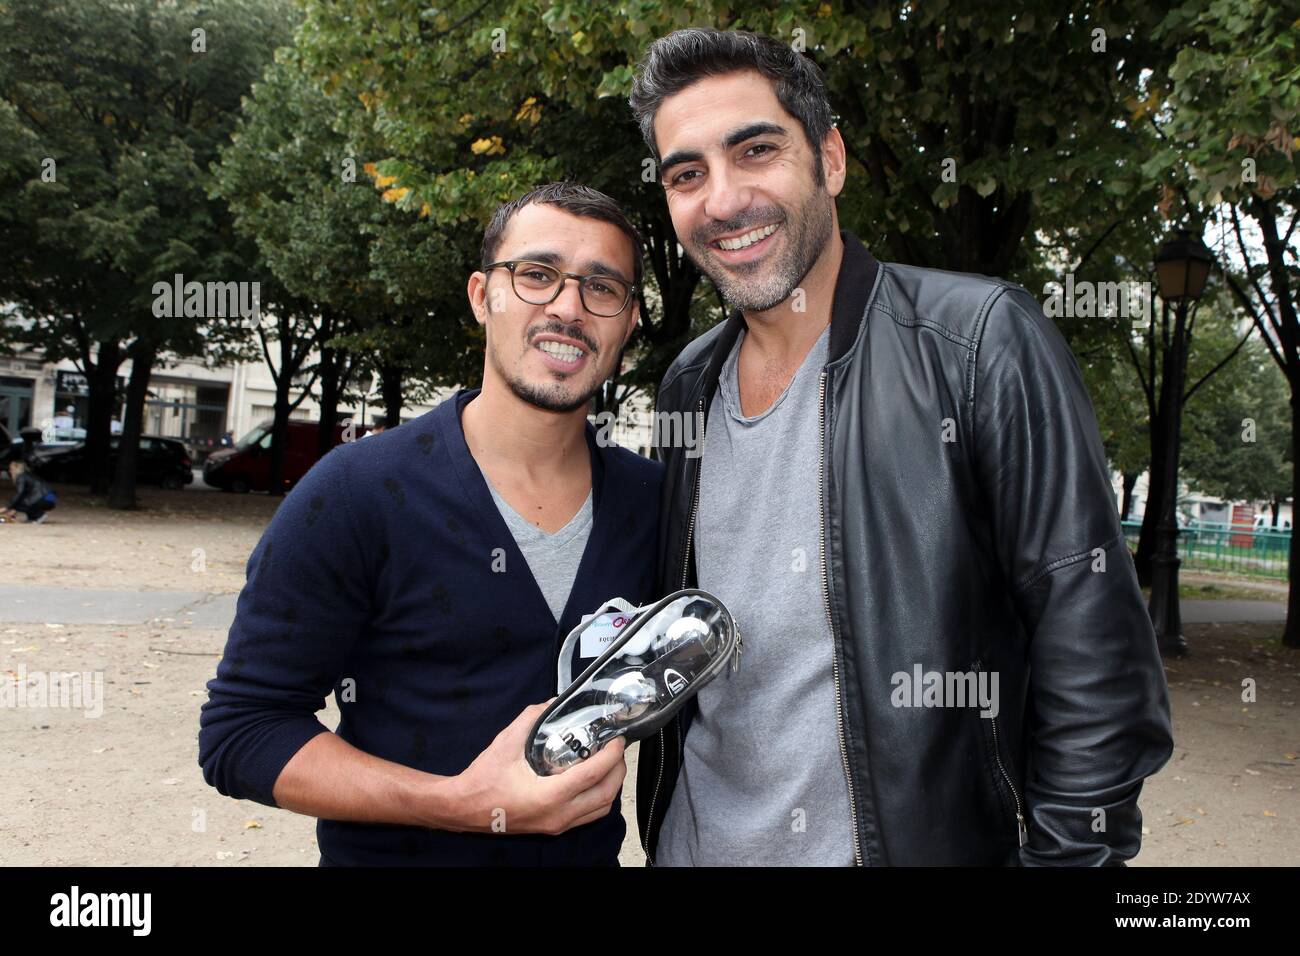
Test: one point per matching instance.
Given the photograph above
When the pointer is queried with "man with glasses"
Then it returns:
(427, 576)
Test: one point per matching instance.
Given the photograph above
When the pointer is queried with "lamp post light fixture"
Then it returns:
(1182, 267)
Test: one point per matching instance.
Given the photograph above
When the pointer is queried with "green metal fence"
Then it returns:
(1213, 546)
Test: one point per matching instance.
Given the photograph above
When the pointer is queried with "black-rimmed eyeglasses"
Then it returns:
(539, 284)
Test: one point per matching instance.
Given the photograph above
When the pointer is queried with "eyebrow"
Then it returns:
(592, 266)
(734, 138)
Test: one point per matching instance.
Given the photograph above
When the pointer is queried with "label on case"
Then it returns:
(596, 639)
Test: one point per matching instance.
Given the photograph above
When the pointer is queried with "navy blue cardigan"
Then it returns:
(375, 580)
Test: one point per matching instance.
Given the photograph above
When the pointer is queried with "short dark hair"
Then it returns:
(572, 198)
(674, 62)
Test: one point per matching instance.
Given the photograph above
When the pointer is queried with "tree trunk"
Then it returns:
(122, 493)
(332, 362)
(1154, 505)
(1275, 506)
(280, 427)
(101, 385)
(1126, 504)
(390, 386)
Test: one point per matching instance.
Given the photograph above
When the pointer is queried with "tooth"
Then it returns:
(748, 239)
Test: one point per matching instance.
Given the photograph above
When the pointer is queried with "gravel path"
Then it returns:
(124, 788)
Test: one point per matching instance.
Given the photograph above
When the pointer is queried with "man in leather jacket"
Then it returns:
(894, 478)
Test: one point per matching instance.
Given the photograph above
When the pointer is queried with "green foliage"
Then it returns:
(1235, 99)
(108, 99)
(1237, 442)
(306, 194)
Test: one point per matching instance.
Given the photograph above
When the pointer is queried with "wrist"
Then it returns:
(439, 803)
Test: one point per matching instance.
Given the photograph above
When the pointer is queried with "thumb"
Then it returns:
(519, 728)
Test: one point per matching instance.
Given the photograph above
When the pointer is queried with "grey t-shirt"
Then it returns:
(552, 558)
(762, 782)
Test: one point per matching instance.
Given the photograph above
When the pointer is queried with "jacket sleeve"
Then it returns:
(1098, 708)
(20, 491)
(305, 603)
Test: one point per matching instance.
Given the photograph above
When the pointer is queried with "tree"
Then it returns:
(305, 194)
(1238, 444)
(1235, 113)
(471, 106)
(125, 102)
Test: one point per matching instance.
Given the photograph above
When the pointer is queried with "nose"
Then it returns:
(727, 194)
(567, 306)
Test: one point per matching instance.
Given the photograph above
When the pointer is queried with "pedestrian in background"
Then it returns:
(32, 497)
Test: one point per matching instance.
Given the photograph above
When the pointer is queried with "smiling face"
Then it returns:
(554, 356)
(742, 187)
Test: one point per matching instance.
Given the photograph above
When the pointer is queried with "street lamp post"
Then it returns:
(366, 381)
(1182, 266)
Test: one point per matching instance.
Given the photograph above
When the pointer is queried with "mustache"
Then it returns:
(761, 217)
(556, 327)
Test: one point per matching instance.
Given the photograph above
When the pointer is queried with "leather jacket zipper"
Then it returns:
(1022, 832)
(686, 552)
(826, 595)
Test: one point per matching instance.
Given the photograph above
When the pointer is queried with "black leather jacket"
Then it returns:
(968, 523)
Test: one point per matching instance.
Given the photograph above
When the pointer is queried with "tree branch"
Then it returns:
(1224, 361)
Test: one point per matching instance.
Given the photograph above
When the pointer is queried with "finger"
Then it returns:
(602, 793)
(590, 772)
(588, 803)
(592, 817)
(612, 785)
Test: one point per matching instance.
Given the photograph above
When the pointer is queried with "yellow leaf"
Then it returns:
(370, 169)
(1269, 813)
(529, 110)
(252, 825)
(382, 181)
(490, 147)
(424, 210)
(394, 195)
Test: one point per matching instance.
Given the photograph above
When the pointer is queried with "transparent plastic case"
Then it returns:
(662, 655)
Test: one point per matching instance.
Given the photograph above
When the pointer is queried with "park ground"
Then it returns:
(146, 598)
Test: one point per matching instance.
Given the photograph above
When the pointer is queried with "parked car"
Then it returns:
(29, 441)
(247, 466)
(162, 461)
